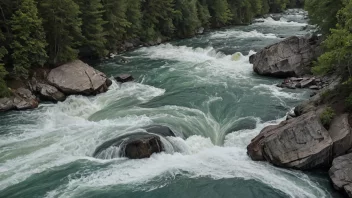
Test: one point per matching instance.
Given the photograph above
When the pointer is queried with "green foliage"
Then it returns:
(63, 29)
(3, 88)
(134, 17)
(327, 116)
(338, 45)
(348, 102)
(186, 19)
(220, 12)
(92, 26)
(323, 13)
(117, 24)
(28, 39)
(158, 18)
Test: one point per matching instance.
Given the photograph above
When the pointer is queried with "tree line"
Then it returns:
(34, 33)
(334, 18)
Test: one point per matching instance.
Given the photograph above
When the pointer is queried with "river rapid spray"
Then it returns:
(212, 100)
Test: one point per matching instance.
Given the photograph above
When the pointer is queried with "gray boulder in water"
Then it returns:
(124, 78)
(135, 145)
(341, 173)
(300, 143)
(77, 77)
(288, 58)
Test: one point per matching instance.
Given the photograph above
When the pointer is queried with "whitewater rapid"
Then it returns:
(213, 125)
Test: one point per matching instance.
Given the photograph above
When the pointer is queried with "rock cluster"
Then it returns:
(72, 78)
(313, 83)
(302, 141)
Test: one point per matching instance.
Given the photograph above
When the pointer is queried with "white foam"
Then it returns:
(205, 160)
(241, 34)
(282, 22)
(204, 63)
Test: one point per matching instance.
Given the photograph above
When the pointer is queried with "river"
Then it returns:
(211, 99)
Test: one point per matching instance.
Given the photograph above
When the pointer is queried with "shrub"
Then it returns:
(327, 116)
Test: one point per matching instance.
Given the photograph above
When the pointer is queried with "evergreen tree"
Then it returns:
(28, 39)
(158, 19)
(323, 13)
(63, 29)
(134, 17)
(3, 88)
(220, 12)
(115, 15)
(186, 18)
(92, 26)
(203, 13)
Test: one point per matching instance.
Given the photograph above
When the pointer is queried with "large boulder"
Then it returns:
(300, 143)
(341, 173)
(340, 133)
(135, 145)
(77, 77)
(290, 57)
(21, 99)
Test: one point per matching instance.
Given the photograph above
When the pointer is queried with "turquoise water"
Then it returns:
(214, 104)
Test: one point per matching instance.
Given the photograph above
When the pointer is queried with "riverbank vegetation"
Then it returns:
(334, 18)
(34, 33)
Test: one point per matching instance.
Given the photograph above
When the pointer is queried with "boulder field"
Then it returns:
(303, 141)
(74, 78)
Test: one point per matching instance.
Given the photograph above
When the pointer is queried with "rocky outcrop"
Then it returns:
(78, 78)
(341, 135)
(301, 143)
(50, 93)
(135, 145)
(21, 99)
(341, 174)
(288, 58)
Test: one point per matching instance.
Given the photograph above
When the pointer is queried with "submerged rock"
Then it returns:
(124, 78)
(77, 77)
(300, 143)
(341, 174)
(290, 57)
(135, 145)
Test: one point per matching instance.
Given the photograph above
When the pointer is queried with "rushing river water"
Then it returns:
(213, 101)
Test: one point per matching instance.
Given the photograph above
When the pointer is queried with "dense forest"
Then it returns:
(334, 18)
(52, 32)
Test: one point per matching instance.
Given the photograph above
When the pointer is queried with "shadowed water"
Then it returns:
(210, 98)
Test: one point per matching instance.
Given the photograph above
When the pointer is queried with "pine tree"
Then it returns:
(134, 17)
(92, 26)
(220, 12)
(186, 19)
(115, 15)
(3, 88)
(203, 13)
(28, 39)
(63, 29)
(158, 19)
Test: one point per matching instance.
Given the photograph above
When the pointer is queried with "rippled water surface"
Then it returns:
(210, 97)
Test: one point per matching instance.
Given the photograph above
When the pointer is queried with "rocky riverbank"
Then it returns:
(74, 78)
(318, 133)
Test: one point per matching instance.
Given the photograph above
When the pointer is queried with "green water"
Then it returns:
(214, 104)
